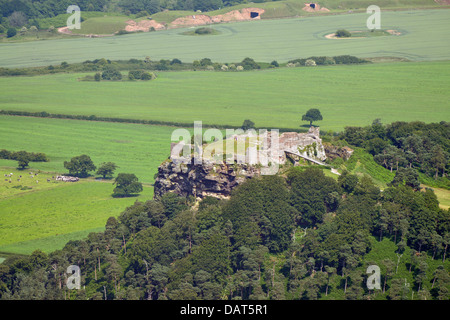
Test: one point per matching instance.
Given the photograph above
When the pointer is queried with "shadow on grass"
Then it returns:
(134, 195)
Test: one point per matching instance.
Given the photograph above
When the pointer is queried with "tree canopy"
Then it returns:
(80, 166)
(312, 115)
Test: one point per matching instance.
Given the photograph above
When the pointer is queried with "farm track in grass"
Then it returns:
(347, 95)
(424, 37)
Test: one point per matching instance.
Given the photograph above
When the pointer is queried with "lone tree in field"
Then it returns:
(80, 166)
(106, 169)
(312, 115)
(342, 33)
(22, 158)
(127, 184)
(248, 124)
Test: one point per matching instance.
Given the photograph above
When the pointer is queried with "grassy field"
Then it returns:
(345, 95)
(135, 149)
(46, 215)
(424, 37)
(102, 25)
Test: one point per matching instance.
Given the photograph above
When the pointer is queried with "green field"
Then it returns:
(137, 149)
(346, 96)
(48, 214)
(102, 25)
(424, 37)
(45, 214)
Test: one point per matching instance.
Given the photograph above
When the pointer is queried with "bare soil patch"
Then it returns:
(143, 25)
(314, 7)
(65, 30)
(201, 19)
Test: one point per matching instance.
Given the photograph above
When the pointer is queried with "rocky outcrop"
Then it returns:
(333, 152)
(188, 177)
(201, 180)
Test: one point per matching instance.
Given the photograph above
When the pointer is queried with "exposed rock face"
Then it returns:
(218, 179)
(201, 180)
(202, 19)
(333, 152)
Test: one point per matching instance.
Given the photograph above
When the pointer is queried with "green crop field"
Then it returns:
(424, 37)
(135, 149)
(346, 96)
(102, 25)
(46, 215)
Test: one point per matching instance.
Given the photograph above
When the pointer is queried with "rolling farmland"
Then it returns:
(263, 40)
(346, 95)
(135, 149)
(46, 215)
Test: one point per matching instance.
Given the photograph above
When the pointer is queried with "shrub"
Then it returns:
(97, 76)
(140, 75)
(347, 59)
(248, 124)
(204, 30)
(297, 62)
(142, 14)
(134, 74)
(175, 61)
(249, 64)
(146, 76)
(275, 64)
(205, 62)
(122, 32)
(342, 33)
(11, 32)
(111, 73)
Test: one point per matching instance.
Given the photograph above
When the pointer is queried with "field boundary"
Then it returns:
(130, 121)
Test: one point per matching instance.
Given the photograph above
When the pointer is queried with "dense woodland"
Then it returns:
(297, 235)
(414, 145)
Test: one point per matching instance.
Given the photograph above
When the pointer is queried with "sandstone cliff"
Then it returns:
(201, 180)
(218, 179)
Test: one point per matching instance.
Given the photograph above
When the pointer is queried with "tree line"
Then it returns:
(302, 235)
(127, 184)
(400, 145)
(18, 13)
(23, 157)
